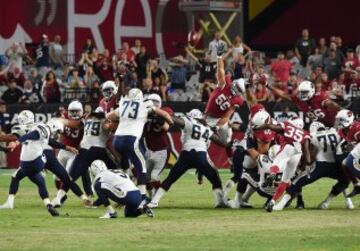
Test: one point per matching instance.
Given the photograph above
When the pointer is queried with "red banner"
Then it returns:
(160, 25)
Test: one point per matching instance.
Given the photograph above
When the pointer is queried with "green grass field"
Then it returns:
(184, 221)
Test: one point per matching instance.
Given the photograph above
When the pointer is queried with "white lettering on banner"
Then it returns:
(90, 21)
(131, 31)
(19, 36)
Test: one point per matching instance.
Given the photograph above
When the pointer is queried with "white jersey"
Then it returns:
(133, 116)
(20, 130)
(264, 164)
(196, 136)
(326, 143)
(94, 134)
(117, 182)
(32, 149)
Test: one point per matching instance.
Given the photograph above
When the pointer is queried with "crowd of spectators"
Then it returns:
(50, 77)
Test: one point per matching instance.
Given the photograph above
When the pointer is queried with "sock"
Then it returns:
(46, 202)
(219, 195)
(110, 209)
(329, 198)
(284, 200)
(280, 190)
(11, 199)
(142, 189)
(238, 197)
(228, 186)
(84, 197)
(249, 191)
(160, 193)
(61, 193)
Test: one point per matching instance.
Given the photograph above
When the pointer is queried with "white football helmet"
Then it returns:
(26, 117)
(260, 118)
(98, 166)
(55, 126)
(298, 122)
(156, 99)
(99, 109)
(238, 87)
(75, 110)
(135, 94)
(273, 151)
(306, 90)
(195, 114)
(344, 118)
(109, 89)
(316, 126)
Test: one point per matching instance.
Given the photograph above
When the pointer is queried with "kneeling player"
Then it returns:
(196, 136)
(118, 187)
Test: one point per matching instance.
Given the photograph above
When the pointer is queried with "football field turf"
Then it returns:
(185, 220)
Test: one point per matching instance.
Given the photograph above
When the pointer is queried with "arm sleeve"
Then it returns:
(33, 135)
(57, 145)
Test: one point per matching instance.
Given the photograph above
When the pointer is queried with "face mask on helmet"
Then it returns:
(26, 117)
(75, 114)
(108, 92)
(304, 95)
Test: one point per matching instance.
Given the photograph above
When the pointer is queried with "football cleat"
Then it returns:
(244, 204)
(56, 202)
(87, 203)
(349, 204)
(323, 205)
(109, 215)
(234, 204)
(300, 203)
(269, 207)
(148, 211)
(52, 210)
(354, 192)
(7, 205)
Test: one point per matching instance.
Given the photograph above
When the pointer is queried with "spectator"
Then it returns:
(13, 94)
(130, 55)
(42, 55)
(304, 46)
(339, 45)
(332, 65)
(322, 46)
(336, 91)
(136, 48)
(206, 67)
(352, 81)
(149, 88)
(35, 79)
(281, 69)
(339, 55)
(89, 46)
(315, 59)
(90, 77)
(17, 76)
(324, 78)
(74, 80)
(84, 63)
(105, 70)
(351, 62)
(260, 76)
(178, 73)
(290, 55)
(141, 60)
(156, 71)
(238, 66)
(357, 52)
(56, 53)
(261, 92)
(239, 47)
(30, 95)
(50, 90)
(3, 130)
(15, 54)
(214, 45)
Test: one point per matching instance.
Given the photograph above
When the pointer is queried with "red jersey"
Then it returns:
(265, 136)
(155, 137)
(221, 100)
(292, 134)
(314, 109)
(353, 134)
(72, 137)
(110, 105)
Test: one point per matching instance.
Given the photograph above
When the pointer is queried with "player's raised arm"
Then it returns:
(225, 119)
(164, 115)
(178, 121)
(331, 105)
(220, 68)
(278, 92)
(216, 139)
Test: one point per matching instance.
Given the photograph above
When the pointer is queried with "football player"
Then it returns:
(25, 123)
(157, 145)
(118, 187)
(32, 159)
(224, 100)
(325, 140)
(196, 136)
(109, 101)
(294, 140)
(92, 147)
(349, 129)
(315, 105)
(133, 113)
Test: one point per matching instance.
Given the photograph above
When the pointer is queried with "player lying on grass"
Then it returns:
(111, 185)
(196, 137)
(25, 124)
